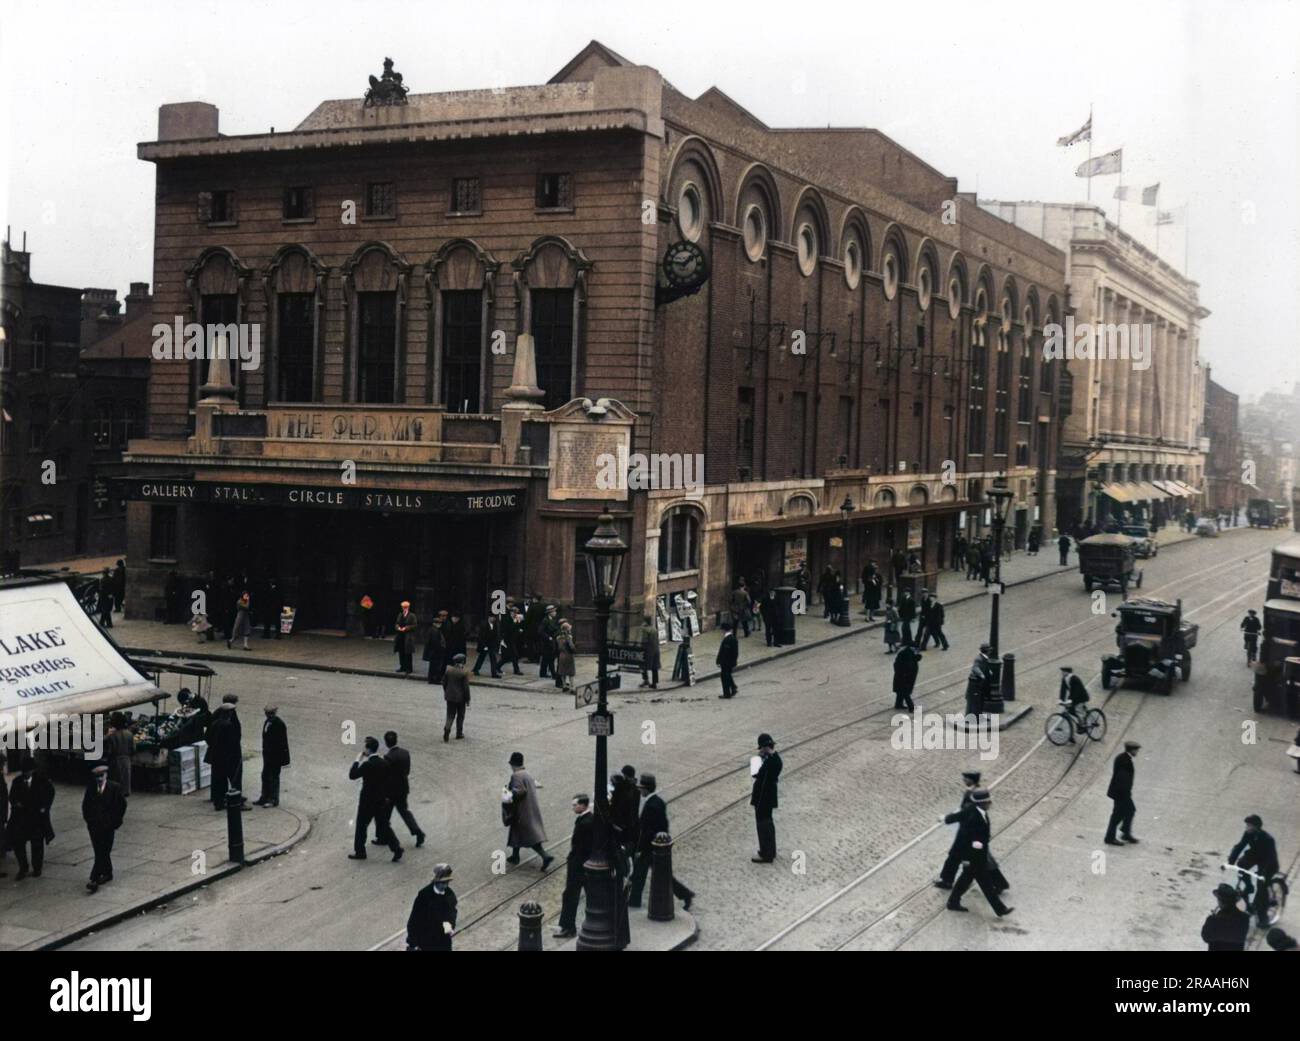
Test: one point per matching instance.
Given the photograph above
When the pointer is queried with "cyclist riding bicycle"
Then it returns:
(1257, 850)
(1251, 626)
(1073, 697)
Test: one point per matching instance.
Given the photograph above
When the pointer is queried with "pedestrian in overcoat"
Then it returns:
(455, 691)
(1120, 792)
(907, 663)
(526, 828)
(404, 638)
(649, 653)
(566, 660)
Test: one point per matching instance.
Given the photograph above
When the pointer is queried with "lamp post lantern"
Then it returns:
(604, 556)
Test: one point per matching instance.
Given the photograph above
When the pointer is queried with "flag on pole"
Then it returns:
(1110, 163)
(1164, 217)
(1124, 193)
(1084, 133)
(1149, 194)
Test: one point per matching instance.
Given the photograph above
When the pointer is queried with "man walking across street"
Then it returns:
(1257, 850)
(764, 798)
(455, 691)
(103, 808)
(1120, 793)
(932, 620)
(970, 780)
(728, 656)
(973, 849)
(1251, 627)
(275, 757)
(579, 850)
(373, 803)
(399, 789)
(907, 663)
(525, 815)
(654, 819)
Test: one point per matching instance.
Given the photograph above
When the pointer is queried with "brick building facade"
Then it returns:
(1223, 473)
(539, 277)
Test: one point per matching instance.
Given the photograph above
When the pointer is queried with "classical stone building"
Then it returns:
(1133, 444)
(69, 405)
(467, 303)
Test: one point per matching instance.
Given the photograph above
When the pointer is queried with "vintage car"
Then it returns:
(1106, 561)
(1154, 644)
(1261, 513)
(1144, 541)
(1207, 527)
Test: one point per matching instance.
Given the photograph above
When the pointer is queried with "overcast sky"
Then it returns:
(1201, 94)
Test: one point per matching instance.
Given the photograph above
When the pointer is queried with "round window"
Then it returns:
(807, 249)
(891, 276)
(690, 213)
(852, 263)
(755, 232)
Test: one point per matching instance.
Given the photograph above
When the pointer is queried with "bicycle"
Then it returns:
(1062, 726)
(1277, 890)
(1252, 649)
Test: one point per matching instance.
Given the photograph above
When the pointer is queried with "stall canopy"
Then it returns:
(1124, 491)
(54, 658)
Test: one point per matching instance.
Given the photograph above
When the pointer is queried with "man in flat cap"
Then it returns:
(1256, 850)
(432, 922)
(764, 799)
(1227, 926)
(455, 691)
(103, 808)
(1120, 793)
(973, 849)
(579, 851)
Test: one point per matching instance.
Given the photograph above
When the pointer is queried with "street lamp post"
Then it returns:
(1000, 500)
(605, 551)
(846, 509)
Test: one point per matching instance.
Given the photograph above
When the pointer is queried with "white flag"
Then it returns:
(1110, 163)
(1084, 133)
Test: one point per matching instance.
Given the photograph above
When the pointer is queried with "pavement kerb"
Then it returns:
(818, 641)
(111, 918)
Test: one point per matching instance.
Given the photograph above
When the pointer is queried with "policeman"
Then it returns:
(1257, 850)
(432, 923)
(1251, 626)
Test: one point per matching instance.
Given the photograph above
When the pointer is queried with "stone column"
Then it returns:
(1133, 410)
(1109, 405)
(1182, 392)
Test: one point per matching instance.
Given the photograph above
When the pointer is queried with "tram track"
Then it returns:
(725, 769)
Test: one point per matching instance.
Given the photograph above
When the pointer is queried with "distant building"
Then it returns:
(1132, 445)
(67, 414)
(1223, 473)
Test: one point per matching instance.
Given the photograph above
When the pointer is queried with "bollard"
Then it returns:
(235, 825)
(530, 926)
(1008, 677)
(661, 879)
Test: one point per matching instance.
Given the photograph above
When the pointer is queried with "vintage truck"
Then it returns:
(1277, 671)
(1154, 644)
(1108, 561)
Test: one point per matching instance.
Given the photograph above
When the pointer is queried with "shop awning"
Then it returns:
(1168, 487)
(1153, 491)
(1124, 491)
(54, 658)
(833, 521)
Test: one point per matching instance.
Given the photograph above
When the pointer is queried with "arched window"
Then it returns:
(679, 541)
(552, 286)
(375, 289)
(295, 298)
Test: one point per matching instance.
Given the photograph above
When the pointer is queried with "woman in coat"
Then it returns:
(243, 624)
(891, 626)
(119, 746)
(565, 658)
(649, 653)
(526, 827)
(871, 594)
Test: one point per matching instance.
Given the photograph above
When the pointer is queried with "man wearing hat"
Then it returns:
(1281, 940)
(404, 640)
(549, 635)
(1120, 793)
(455, 691)
(1227, 926)
(580, 847)
(907, 665)
(979, 682)
(728, 656)
(374, 803)
(970, 780)
(432, 922)
(275, 757)
(973, 849)
(399, 784)
(625, 808)
(764, 799)
(103, 808)
(225, 754)
(525, 814)
(1257, 851)
(654, 819)
(1074, 694)
(1251, 626)
(30, 797)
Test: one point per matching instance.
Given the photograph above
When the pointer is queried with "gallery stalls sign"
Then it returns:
(55, 658)
(373, 500)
